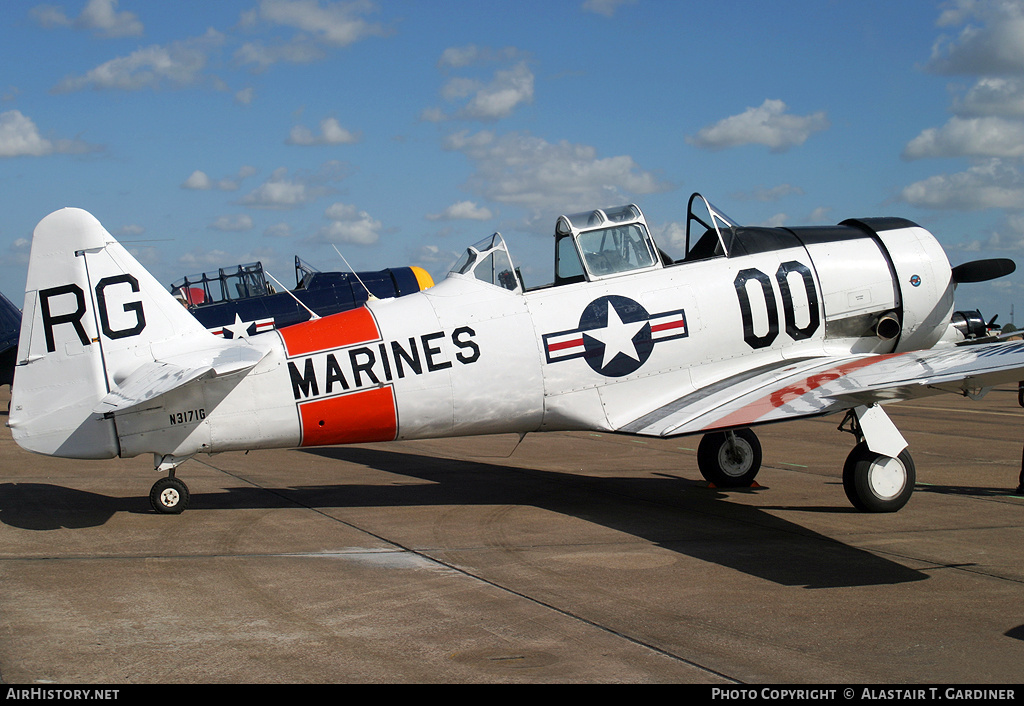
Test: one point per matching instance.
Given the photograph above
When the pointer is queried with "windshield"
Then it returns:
(489, 261)
(619, 249)
(709, 232)
(609, 242)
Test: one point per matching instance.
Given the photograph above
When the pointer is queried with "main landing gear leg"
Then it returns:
(169, 495)
(879, 473)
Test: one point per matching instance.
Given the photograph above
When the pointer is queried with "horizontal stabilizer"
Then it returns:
(158, 377)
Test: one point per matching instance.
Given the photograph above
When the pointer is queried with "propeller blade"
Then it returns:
(983, 270)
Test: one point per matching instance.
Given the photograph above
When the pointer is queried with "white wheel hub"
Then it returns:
(887, 477)
(169, 497)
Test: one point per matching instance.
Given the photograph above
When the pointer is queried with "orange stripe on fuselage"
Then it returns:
(369, 415)
(356, 418)
(334, 331)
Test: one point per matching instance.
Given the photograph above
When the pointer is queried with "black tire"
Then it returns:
(877, 483)
(729, 465)
(169, 496)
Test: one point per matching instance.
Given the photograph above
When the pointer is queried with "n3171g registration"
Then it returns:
(187, 416)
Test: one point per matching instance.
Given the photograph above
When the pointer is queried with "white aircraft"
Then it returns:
(753, 325)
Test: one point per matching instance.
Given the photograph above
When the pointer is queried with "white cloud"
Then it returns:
(472, 54)
(819, 215)
(432, 115)
(1008, 237)
(245, 96)
(336, 23)
(767, 125)
(462, 211)
(995, 46)
(297, 51)
(501, 96)
(280, 192)
(969, 137)
(201, 259)
(177, 64)
(993, 96)
(349, 225)
(671, 237)
(990, 184)
(318, 25)
(198, 180)
(233, 224)
(433, 257)
(100, 16)
(988, 122)
(50, 16)
(776, 221)
(17, 255)
(130, 230)
(19, 137)
(278, 230)
(198, 259)
(546, 177)
(484, 98)
(331, 133)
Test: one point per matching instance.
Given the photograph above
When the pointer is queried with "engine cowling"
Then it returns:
(922, 278)
(885, 283)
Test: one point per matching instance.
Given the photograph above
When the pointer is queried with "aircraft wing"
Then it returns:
(818, 386)
(158, 377)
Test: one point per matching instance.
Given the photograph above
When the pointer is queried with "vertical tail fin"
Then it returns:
(92, 315)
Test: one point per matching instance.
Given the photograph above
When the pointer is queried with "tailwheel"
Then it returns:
(877, 483)
(169, 496)
(729, 459)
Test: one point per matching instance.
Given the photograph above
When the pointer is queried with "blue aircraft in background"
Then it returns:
(10, 328)
(242, 301)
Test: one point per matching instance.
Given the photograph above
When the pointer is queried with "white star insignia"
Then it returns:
(617, 337)
(239, 329)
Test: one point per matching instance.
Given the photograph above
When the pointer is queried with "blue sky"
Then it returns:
(203, 134)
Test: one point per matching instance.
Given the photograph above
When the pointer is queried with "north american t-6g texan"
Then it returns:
(753, 325)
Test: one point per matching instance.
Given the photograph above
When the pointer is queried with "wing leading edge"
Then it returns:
(820, 386)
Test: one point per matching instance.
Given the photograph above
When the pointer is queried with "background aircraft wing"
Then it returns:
(818, 386)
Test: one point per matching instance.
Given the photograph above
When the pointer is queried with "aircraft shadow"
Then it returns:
(968, 490)
(42, 506)
(674, 513)
(681, 515)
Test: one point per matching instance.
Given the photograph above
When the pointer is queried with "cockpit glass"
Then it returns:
(618, 249)
(489, 261)
(709, 232)
(465, 263)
